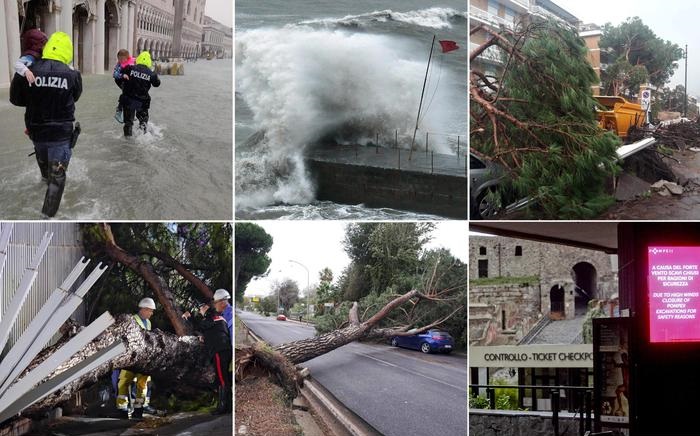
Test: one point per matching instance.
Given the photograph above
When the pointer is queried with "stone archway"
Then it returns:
(585, 278)
(557, 304)
(80, 28)
(111, 34)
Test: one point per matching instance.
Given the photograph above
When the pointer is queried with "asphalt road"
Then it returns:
(399, 392)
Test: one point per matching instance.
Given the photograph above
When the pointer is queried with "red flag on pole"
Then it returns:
(448, 46)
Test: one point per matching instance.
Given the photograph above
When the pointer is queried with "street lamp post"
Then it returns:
(685, 101)
(307, 284)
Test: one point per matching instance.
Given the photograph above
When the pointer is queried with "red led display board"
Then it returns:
(674, 294)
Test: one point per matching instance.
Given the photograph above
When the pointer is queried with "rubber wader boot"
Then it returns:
(221, 405)
(54, 192)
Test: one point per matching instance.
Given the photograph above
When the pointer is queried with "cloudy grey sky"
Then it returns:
(672, 20)
(220, 10)
(319, 244)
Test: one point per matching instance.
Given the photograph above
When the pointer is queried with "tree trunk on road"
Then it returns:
(179, 363)
(306, 349)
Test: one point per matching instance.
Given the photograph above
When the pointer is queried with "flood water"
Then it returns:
(180, 169)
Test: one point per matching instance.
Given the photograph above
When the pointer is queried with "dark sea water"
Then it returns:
(343, 71)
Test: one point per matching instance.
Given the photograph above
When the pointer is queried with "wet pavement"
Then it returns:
(179, 424)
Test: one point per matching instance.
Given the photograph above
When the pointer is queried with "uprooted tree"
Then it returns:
(177, 265)
(535, 118)
(438, 299)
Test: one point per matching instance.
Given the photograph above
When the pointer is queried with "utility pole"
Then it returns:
(685, 100)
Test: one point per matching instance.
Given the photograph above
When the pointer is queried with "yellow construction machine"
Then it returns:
(620, 116)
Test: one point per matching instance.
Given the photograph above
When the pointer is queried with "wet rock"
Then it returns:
(630, 187)
(674, 188)
(659, 185)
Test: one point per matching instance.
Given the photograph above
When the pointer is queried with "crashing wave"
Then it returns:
(304, 85)
(435, 18)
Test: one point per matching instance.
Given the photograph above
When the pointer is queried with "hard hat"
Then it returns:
(148, 303)
(221, 294)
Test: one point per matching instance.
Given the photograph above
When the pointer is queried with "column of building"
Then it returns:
(131, 26)
(99, 44)
(9, 39)
(66, 19)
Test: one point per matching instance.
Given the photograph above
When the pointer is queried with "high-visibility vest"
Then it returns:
(147, 326)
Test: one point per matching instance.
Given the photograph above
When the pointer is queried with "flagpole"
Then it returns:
(425, 80)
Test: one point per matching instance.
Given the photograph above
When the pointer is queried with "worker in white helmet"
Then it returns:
(146, 308)
(221, 297)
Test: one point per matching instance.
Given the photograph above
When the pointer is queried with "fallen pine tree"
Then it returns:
(178, 362)
(280, 360)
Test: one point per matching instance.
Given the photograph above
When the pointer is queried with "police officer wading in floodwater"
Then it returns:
(50, 113)
(135, 100)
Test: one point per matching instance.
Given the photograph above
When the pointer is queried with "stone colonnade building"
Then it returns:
(156, 32)
(99, 28)
(217, 39)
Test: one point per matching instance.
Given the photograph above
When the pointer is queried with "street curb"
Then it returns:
(343, 421)
(334, 414)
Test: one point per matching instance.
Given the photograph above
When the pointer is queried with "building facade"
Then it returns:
(99, 28)
(515, 284)
(497, 14)
(156, 32)
(217, 39)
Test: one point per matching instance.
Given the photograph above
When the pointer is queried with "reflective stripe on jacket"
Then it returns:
(139, 321)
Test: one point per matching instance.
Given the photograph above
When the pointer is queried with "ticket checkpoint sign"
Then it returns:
(674, 294)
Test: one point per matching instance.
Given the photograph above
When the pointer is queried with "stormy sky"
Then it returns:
(220, 10)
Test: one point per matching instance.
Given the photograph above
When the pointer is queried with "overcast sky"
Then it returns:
(220, 10)
(672, 20)
(319, 244)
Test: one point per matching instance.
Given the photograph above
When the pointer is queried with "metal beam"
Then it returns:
(56, 320)
(58, 357)
(29, 336)
(10, 315)
(4, 242)
(62, 379)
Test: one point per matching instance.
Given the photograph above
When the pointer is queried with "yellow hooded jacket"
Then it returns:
(145, 59)
(59, 48)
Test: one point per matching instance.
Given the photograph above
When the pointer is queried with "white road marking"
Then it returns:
(410, 371)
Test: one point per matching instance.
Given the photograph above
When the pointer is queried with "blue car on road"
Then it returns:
(430, 341)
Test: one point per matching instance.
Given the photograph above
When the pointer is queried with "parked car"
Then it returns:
(281, 317)
(484, 180)
(430, 341)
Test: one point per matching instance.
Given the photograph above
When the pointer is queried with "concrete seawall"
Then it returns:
(384, 177)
